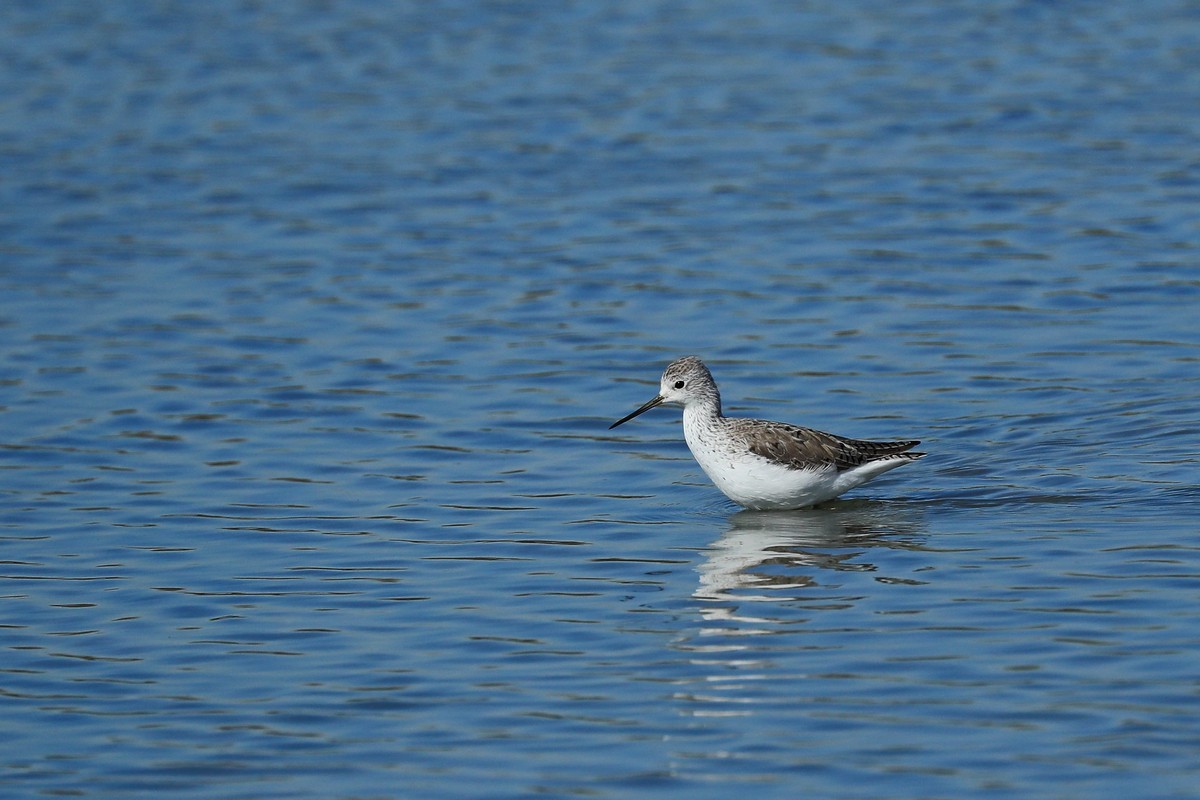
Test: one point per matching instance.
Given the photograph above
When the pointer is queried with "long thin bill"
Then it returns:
(657, 401)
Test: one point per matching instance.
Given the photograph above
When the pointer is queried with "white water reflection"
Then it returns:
(769, 556)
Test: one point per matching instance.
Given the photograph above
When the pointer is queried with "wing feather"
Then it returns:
(806, 448)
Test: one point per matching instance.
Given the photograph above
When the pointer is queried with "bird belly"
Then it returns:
(763, 485)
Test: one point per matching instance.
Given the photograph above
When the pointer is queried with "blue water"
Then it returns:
(313, 318)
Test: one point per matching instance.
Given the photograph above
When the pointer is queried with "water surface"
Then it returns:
(313, 319)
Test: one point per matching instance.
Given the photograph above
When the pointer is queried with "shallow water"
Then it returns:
(313, 320)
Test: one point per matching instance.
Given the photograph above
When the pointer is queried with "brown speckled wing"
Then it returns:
(805, 448)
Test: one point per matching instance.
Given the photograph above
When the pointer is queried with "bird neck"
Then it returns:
(703, 413)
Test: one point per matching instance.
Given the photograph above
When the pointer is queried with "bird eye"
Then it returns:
(678, 384)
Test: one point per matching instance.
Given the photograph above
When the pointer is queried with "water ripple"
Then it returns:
(314, 320)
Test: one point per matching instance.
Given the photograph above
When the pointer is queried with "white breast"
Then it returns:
(751, 480)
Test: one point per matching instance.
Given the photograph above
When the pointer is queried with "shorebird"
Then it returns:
(766, 465)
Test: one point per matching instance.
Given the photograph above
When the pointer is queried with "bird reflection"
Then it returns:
(768, 577)
(771, 555)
